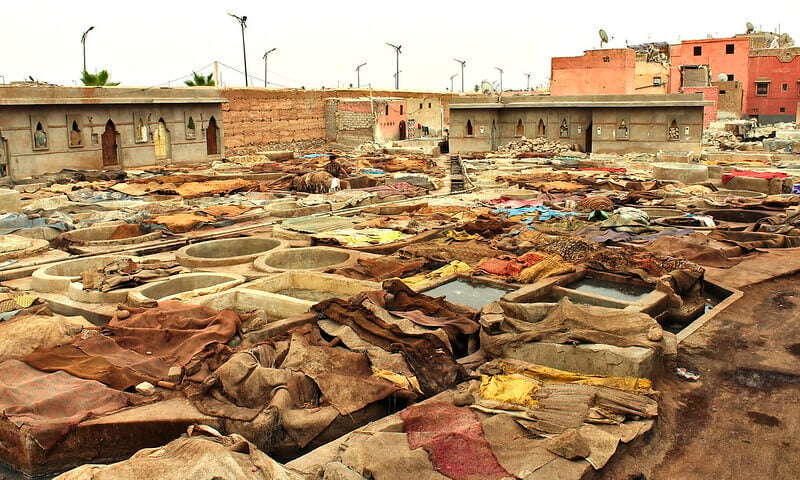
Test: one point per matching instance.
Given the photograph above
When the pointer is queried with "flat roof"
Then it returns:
(585, 101)
(29, 95)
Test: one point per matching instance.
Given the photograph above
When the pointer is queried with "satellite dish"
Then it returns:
(487, 88)
(750, 28)
(722, 77)
(709, 36)
(785, 40)
(603, 37)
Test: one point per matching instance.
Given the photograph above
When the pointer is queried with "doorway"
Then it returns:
(211, 137)
(402, 130)
(493, 136)
(4, 157)
(109, 142)
(588, 148)
(161, 140)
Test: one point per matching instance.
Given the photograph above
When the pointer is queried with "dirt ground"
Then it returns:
(741, 420)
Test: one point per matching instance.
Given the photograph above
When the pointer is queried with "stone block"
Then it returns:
(593, 359)
(9, 201)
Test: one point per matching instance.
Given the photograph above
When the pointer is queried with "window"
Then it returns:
(563, 130)
(622, 130)
(429, 104)
(762, 88)
(387, 109)
(723, 92)
(606, 59)
(140, 133)
(469, 128)
(520, 131)
(673, 132)
(784, 87)
(656, 80)
(698, 51)
(39, 137)
(541, 129)
(420, 106)
(783, 109)
(729, 49)
(401, 109)
(730, 77)
(191, 132)
(75, 139)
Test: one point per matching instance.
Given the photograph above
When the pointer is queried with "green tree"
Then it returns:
(99, 79)
(200, 80)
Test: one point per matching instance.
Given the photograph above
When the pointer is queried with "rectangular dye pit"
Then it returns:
(473, 294)
(626, 292)
(314, 287)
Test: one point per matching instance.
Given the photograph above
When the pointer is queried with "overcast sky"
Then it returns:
(320, 43)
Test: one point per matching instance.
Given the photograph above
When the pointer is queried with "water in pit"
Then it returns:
(472, 294)
(621, 291)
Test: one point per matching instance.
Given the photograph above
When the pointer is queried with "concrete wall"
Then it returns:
(645, 73)
(256, 116)
(713, 53)
(731, 99)
(18, 122)
(597, 72)
(427, 112)
(709, 93)
(781, 67)
(647, 127)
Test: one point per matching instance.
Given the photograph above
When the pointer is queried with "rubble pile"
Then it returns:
(524, 147)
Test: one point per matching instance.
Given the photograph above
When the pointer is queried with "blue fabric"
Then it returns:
(543, 213)
(796, 188)
(11, 222)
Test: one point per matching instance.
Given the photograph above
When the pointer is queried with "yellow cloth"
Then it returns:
(364, 237)
(459, 235)
(418, 281)
(550, 266)
(408, 383)
(509, 389)
(553, 375)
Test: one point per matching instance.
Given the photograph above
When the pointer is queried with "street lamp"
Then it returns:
(243, 23)
(451, 80)
(529, 81)
(358, 74)
(462, 62)
(83, 41)
(397, 69)
(266, 54)
(501, 77)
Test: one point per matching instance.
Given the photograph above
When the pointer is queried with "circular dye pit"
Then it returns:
(57, 277)
(189, 284)
(227, 251)
(306, 258)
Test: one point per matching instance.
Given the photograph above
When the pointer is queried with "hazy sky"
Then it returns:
(147, 43)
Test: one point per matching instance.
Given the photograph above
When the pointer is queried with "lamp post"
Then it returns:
(243, 23)
(266, 54)
(358, 75)
(529, 81)
(83, 41)
(501, 77)
(462, 62)
(397, 68)
(451, 80)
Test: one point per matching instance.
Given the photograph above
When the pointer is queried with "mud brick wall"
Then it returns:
(254, 116)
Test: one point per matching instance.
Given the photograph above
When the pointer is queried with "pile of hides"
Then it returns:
(126, 273)
(203, 453)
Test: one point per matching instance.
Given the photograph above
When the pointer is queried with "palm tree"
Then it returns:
(200, 80)
(99, 79)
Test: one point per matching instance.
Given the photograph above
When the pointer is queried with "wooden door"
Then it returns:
(109, 142)
(402, 130)
(588, 147)
(211, 137)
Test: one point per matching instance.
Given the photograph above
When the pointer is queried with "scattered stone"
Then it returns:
(146, 388)
(175, 374)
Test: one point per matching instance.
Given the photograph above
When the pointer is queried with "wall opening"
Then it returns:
(622, 130)
(109, 141)
(212, 137)
(563, 130)
(75, 139)
(140, 132)
(191, 131)
(520, 130)
(39, 137)
(469, 128)
(698, 51)
(673, 132)
(762, 88)
(401, 109)
(730, 48)
(541, 130)
(161, 140)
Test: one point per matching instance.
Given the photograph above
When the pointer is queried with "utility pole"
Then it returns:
(83, 42)
(529, 81)
(217, 82)
(266, 54)
(358, 75)
(397, 68)
(451, 80)
(462, 62)
(501, 77)
(243, 23)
